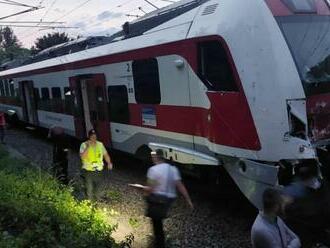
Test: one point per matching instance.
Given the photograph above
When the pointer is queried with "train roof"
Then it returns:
(132, 29)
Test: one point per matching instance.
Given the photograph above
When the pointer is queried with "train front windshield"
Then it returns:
(308, 38)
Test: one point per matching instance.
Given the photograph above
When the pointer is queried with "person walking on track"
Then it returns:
(92, 153)
(163, 181)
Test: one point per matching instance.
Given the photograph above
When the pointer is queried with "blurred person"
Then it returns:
(163, 182)
(307, 209)
(269, 230)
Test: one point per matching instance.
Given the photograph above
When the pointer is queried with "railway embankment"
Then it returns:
(36, 211)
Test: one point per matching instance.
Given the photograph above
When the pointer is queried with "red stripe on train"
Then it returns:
(233, 128)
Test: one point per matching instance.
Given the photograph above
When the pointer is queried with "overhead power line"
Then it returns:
(29, 22)
(16, 3)
(47, 11)
(34, 26)
(56, 20)
(21, 12)
(74, 9)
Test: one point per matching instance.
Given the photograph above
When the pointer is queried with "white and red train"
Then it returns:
(239, 84)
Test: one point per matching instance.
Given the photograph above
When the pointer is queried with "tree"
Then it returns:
(10, 47)
(8, 38)
(49, 40)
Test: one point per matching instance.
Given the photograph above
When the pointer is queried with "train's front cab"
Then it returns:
(305, 25)
(279, 113)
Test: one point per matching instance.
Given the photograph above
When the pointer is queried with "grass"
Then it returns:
(36, 211)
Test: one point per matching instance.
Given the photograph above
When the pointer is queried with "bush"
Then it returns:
(36, 211)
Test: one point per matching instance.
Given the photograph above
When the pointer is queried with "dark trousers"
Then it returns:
(158, 233)
(93, 182)
(2, 134)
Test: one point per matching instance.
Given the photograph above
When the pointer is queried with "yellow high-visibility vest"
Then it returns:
(93, 161)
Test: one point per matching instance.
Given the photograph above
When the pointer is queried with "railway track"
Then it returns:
(222, 216)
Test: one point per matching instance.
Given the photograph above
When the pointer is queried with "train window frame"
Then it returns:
(118, 104)
(2, 88)
(7, 90)
(225, 78)
(56, 100)
(12, 88)
(37, 98)
(146, 81)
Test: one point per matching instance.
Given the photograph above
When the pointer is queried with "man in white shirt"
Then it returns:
(163, 181)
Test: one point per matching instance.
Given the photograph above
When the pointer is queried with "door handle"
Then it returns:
(209, 118)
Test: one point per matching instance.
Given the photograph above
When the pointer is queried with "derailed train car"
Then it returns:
(238, 84)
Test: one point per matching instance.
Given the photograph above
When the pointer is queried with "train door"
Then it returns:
(228, 121)
(91, 106)
(30, 113)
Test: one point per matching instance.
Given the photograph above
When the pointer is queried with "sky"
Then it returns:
(90, 17)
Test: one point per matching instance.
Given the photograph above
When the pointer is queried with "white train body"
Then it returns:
(251, 117)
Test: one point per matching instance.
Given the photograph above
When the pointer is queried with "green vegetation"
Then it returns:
(10, 47)
(134, 222)
(49, 40)
(36, 211)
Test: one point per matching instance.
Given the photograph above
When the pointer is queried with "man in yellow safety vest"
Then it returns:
(92, 153)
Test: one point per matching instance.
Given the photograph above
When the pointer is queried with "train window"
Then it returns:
(68, 101)
(146, 81)
(214, 68)
(56, 102)
(56, 92)
(2, 88)
(45, 94)
(36, 95)
(7, 91)
(118, 104)
(301, 6)
(45, 100)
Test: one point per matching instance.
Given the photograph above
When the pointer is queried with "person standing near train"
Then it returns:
(269, 230)
(92, 153)
(2, 127)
